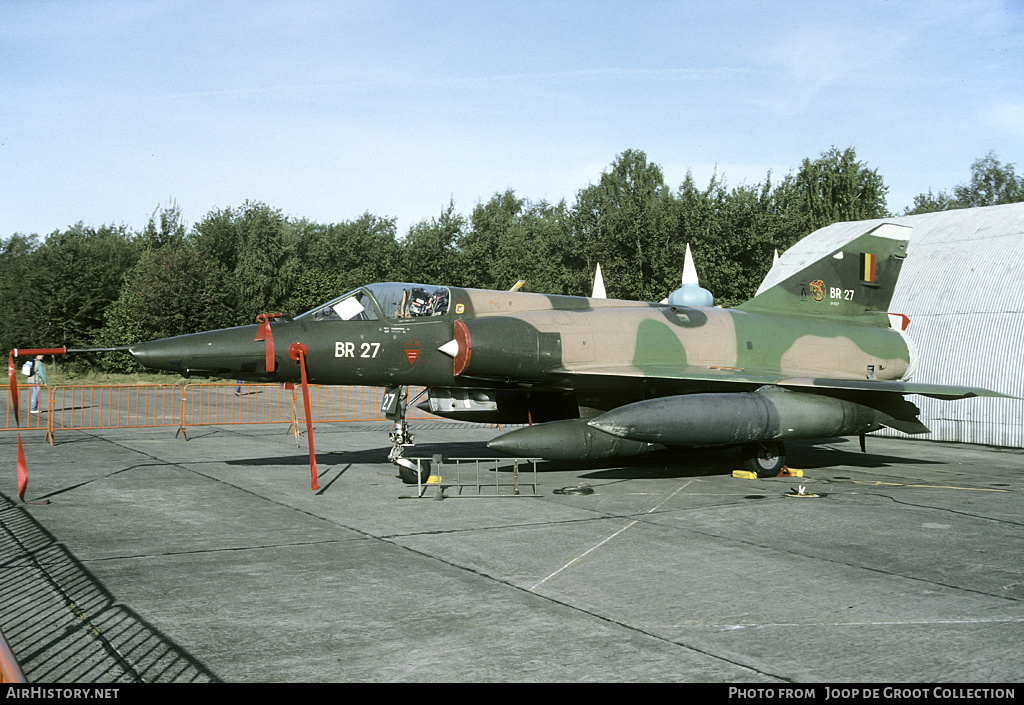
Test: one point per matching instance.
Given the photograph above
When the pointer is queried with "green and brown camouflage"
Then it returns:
(817, 355)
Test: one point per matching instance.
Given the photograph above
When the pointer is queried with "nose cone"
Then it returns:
(231, 353)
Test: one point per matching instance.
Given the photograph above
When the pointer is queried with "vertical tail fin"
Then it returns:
(858, 279)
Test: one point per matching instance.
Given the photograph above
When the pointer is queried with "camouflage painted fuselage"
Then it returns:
(816, 354)
(523, 340)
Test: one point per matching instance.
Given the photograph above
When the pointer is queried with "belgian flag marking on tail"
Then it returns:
(857, 279)
(867, 267)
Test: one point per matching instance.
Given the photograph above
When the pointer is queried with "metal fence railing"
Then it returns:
(83, 407)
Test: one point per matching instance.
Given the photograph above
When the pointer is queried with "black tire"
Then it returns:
(412, 476)
(766, 459)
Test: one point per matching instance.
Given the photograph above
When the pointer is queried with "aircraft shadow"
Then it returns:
(696, 462)
(817, 454)
(680, 462)
(368, 457)
(667, 463)
(372, 456)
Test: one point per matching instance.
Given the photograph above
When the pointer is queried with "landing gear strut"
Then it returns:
(765, 458)
(396, 400)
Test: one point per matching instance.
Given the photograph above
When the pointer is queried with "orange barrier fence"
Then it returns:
(113, 406)
(146, 406)
(29, 421)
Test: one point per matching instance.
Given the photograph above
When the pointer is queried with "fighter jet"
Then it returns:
(816, 356)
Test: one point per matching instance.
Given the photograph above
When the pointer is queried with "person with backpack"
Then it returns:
(36, 378)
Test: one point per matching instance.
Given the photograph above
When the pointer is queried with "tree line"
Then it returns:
(108, 286)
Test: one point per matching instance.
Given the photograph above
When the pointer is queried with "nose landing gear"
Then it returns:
(394, 405)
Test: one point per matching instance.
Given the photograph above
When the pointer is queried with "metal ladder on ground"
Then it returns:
(477, 477)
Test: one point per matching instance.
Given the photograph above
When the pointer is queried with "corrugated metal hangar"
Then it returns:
(962, 286)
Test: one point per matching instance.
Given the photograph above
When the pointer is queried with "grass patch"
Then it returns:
(66, 377)
(61, 373)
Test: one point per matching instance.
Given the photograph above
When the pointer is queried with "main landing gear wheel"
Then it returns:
(410, 474)
(766, 459)
(408, 470)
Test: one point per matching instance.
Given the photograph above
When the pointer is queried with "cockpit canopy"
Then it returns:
(394, 300)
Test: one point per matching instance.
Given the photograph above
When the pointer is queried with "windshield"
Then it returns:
(354, 306)
(396, 300)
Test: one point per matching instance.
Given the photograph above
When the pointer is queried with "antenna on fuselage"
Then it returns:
(690, 293)
(598, 285)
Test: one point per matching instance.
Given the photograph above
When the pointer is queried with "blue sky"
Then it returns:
(327, 110)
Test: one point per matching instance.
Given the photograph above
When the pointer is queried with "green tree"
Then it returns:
(334, 259)
(20, 304)
(720, 227)
(254, 246)
(165, 226)
(219, 235)
(77, 275)
(548, 232)
(930, 203)
(733, 233)
(992, 183)
(430, 251)
(491, 241)
(836, 187)
(626, 222)
(174, 290)
(265, 271)
(510, 239)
